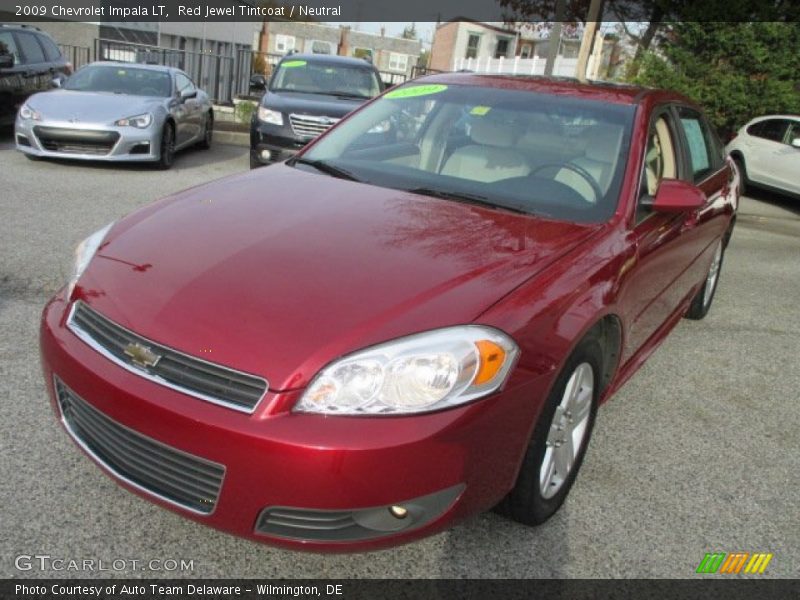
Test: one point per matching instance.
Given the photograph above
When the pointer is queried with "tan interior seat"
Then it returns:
(490, 157)
(599, 160)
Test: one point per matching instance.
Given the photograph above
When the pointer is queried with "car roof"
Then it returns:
(131, 65)
(616, 93)
(330, 59)
(777, 116)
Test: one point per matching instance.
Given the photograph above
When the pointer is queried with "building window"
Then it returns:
(284, 43)
(398, 62)
(320, 47)
(365, 53)
(525, 51)
(502, 48)
(473, 43)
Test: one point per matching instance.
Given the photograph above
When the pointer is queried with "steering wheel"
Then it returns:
(598, 193)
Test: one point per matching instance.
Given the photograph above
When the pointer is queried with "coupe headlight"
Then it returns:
(26, 112)
(420, 373)
(140, 121)
(83, 255)
(270, 116)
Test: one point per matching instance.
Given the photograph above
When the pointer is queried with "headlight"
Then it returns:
(415, 374)
(83, 255)
(26, 112)
(140, 121)
(270, 116)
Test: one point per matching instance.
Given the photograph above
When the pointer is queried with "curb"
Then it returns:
(234, 138)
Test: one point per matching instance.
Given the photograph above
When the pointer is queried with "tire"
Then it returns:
(701, 303)
(254, 162)
(167, 152)
(743, 183)
(208, 132)
(540, 491)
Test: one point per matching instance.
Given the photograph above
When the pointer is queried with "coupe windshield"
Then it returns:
(311, 77)
(545, 154)
(121, 79)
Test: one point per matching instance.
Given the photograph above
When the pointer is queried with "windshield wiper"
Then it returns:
(350, 95)
(327, 168)
(467, 198)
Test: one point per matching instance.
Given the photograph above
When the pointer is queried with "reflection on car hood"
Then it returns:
(311, 104)
(90, 107)
(278, 271)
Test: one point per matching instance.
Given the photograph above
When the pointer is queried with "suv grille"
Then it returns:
(177, 477)
(310, 126)
(179, 371)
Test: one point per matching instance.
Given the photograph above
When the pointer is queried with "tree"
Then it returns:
(736, 71)
(410, 32)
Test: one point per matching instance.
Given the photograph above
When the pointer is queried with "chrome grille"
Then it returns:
(310, 126)
(170, 368)
(177, 477)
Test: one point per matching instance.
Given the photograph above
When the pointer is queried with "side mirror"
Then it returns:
(6, 61)
(387, 85)
(187, 94)
(796, 142)
(258, 82)
(676, 196)
(56, 82)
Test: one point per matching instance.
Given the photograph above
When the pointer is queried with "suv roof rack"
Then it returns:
(20, 25)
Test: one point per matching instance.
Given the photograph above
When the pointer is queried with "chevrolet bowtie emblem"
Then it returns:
(142, 356)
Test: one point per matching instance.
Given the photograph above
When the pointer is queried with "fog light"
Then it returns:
(398, 512)
(266, 155)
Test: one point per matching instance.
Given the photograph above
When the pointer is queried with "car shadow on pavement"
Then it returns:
(777, 199)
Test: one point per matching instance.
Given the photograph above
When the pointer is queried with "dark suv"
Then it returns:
(29, 62)
(307, 93)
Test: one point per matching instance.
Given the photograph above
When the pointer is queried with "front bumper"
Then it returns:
(61, 139)
(440, 467)
(278, 140)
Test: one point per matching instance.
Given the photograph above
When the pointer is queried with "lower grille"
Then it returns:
(310, 126)
(295, 523)
(180, 478)
(76, 141)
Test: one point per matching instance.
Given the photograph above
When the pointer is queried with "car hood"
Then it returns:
(90, 107)
(278, 271)
(310, 104)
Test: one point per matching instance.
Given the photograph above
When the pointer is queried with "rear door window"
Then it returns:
(32, 52)
(51, 51)
(771, 129)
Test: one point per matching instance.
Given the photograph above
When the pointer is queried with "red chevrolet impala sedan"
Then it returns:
(412, 321)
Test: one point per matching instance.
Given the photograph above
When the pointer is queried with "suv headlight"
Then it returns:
(139, 121)
(83, 256)
(415, 374)
(26, 112)
(270, 116)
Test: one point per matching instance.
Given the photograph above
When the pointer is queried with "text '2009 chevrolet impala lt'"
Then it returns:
(411, 321)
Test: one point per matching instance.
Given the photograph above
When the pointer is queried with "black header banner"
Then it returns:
(121, 11)
(704, 588)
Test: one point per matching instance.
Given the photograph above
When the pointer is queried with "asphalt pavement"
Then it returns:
(699, 452)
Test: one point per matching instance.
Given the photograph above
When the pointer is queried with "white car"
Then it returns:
(767, 153)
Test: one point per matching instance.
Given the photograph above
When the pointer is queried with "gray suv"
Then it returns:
(29, 62)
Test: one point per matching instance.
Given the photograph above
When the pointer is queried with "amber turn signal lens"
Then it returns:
(492, 358)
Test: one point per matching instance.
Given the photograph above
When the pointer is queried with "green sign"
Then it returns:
(294, 63)
(413, 91)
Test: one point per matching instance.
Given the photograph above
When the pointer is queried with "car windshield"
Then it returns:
(311, 77)
(121, 79)
(552, 155)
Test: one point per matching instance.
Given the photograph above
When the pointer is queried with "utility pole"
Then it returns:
(592, 22)
(554, 44)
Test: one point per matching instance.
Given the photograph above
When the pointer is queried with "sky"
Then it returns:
(424, 30)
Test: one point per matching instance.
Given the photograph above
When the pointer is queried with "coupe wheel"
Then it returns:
(208, 132)
(559, 441)
(167, 154)
(701, 303)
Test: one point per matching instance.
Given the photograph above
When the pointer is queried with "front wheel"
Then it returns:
(559, 440)
(701, 303)
(167, 153)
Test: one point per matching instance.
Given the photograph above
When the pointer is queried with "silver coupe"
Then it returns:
(116, 112)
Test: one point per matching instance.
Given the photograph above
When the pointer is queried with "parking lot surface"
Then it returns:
(699, 452)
